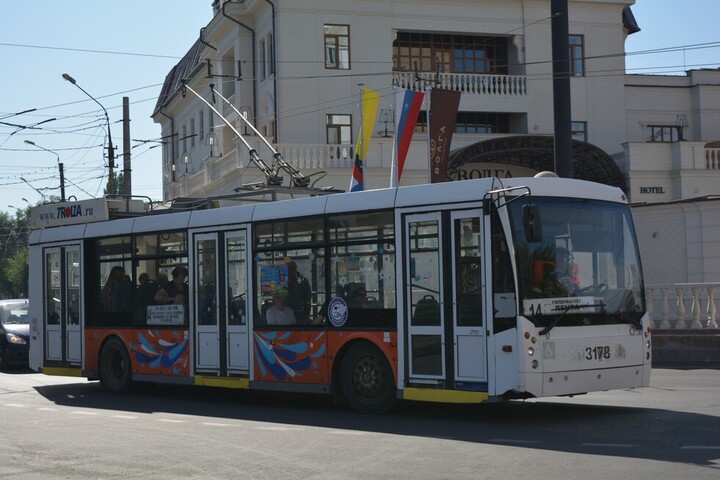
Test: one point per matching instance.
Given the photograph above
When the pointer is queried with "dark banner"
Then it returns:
(443, 112)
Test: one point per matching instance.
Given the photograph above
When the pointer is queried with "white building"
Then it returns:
(294, 68)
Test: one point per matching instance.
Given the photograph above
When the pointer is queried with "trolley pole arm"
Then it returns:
(299, 180)
(271, 175)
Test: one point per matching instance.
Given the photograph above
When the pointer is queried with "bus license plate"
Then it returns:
(598, 353)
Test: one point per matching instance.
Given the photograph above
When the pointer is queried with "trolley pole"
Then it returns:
(561, 88)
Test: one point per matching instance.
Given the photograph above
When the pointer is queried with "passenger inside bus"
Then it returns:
(299, 294)
(144, 297)
(117, 292)
(278, 313)
(358, 298)
(176, 290)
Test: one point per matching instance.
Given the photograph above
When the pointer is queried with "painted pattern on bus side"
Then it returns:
(152, 351)
(291, 356)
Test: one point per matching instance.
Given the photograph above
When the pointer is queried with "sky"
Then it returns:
(126, 48)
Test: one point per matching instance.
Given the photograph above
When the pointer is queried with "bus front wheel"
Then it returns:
(115, 367)
(366, 379)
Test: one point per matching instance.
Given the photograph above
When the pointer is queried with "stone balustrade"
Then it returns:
(683, 306)
(468, 83)
(712, 158)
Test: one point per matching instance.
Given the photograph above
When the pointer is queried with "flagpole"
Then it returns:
(428, 90)
(360, 143)
(394, 181)
(361, 135)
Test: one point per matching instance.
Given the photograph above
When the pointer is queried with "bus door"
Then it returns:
(444, 298)
(62, 313)
(469, 340)
(219, 291)
(425, 297)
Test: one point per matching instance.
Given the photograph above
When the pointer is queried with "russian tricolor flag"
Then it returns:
(407, 109)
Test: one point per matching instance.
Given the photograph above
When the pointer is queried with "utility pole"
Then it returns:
(127, 182)
(561, 88)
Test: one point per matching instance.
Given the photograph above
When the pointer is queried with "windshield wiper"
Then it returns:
(565, 310)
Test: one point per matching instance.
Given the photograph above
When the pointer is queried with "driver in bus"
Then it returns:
(563, 279)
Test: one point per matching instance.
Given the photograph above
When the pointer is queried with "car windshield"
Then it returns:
(13, 314)
(585, 265)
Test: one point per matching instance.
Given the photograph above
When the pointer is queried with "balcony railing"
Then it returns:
(683, 305)
(712, 158)
(468, 83)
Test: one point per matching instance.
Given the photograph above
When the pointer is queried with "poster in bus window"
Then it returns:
(274, 279)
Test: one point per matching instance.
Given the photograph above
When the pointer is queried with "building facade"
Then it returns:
(295, 70)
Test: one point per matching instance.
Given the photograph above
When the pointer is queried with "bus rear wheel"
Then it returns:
(366, 379)
(115, 367)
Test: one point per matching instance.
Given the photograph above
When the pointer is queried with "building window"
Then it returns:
(339, 129)
(472, 122)
(184, 140)
(268, 55)
(429, 52)
(263, 54)
(337, 47)
(662, 133)
(192, 132)
(579, 131)
(202, 125)
(576, 44)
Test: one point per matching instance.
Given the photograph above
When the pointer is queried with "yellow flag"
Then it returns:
(371, 101)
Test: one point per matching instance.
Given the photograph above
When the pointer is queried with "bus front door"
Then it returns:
(444, 298)
(62, 312)
(469, 340)
(219, 290)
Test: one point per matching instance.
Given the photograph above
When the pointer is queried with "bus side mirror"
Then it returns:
(531, 223)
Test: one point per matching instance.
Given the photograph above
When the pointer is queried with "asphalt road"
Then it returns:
(60, 427)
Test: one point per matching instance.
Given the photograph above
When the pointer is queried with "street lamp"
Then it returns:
(60, 167)
(38, 191)
(111, 150)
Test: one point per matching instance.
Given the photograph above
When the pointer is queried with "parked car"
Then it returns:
(14, 333)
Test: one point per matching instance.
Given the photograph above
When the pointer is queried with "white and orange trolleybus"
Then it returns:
(465, 292)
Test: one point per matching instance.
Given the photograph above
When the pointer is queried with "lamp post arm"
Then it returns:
(111, 149)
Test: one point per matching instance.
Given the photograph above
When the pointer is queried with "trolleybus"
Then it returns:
(465, 292)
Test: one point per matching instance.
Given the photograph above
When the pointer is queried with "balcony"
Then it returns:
(467, 83)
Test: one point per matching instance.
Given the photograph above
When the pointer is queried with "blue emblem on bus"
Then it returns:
(337, 311)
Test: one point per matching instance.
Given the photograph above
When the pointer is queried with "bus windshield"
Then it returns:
(584, 265)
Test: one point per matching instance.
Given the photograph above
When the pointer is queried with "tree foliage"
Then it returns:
(13, 262)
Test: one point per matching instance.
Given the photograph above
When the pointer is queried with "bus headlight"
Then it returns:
(534, 364)
(531, 351)
(16, 339)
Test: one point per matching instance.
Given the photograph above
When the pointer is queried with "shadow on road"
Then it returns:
(632, 432)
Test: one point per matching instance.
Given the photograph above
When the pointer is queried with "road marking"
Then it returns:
(512, 440)
(16, 405)
(346, 432)
(169, 420)
(124, 417)
(214, 424)
(82, 412)
(610, 445)
(278, 429)
(47, 409)
(700, 447)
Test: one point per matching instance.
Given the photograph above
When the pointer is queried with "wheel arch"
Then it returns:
(343, 344)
